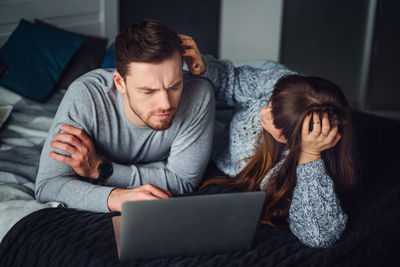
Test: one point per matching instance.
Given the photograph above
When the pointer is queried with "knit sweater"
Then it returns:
(315, 215)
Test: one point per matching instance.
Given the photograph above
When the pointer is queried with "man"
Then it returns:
(141, 132)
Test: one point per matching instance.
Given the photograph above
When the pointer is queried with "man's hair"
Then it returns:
(146, 41)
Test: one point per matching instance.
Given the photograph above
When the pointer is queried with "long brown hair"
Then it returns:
(293, 98)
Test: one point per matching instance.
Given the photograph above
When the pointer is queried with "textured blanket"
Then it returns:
(65, 237)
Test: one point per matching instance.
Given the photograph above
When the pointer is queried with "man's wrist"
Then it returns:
(105, 170)
(112, 201)
(95, 171)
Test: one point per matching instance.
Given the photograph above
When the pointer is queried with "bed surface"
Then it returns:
(22, 136)
(21, 140)
(59, 236)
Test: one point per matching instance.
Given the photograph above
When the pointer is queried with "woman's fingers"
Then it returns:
(333, 137)
(306, 125)
(184, 36)
(322, 136)
(192, 55)
(325, 124)
(328, 136)
(332, 144)
(316, 125)
(187, 41)
(337, 139)
(190, 52)
(332, 134)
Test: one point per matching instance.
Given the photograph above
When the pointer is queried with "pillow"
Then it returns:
(108, 60)
(87, 58)
(36, 56)
(3, 70)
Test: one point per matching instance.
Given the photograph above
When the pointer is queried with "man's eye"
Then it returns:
(148, 92)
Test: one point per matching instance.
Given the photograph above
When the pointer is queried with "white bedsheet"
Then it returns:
(21, 139)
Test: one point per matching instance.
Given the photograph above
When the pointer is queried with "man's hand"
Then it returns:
(319, 139)
(192, 55)
(144, 192)
(75, 142)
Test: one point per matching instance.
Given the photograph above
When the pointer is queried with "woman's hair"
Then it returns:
(146, 41)
(293, 98)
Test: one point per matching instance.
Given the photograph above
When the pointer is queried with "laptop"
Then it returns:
(187, 226)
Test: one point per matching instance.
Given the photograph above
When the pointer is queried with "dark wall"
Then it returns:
(325, 38)
(384, 85)
(199, 19)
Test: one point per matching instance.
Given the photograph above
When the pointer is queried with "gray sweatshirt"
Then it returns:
(93, 104)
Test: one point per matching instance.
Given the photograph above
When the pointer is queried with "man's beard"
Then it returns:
(161, 125)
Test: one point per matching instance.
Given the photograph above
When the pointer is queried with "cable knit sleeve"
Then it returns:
(315, 215)
(242, 85)
(249, 89)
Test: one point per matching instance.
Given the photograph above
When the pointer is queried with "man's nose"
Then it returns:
(164, 102)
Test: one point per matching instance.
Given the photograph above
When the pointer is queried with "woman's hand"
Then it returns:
(192, 55)
(321, 138)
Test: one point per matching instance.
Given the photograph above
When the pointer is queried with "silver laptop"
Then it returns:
(186, 226)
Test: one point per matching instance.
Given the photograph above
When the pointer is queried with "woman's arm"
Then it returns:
(243, 84)
(315, 215)
(232, 84)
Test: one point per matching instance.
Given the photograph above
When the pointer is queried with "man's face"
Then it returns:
(152, 92)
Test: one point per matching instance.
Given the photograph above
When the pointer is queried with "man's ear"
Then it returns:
(119, 82)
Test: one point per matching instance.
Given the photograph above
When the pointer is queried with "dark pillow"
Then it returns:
(3, 70)
(36, 56)
(87, 58)
(108, 60)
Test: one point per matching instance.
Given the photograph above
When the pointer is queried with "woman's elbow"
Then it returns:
(319, 242)
(320, 237)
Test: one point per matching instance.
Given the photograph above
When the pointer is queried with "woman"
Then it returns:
(293, 152)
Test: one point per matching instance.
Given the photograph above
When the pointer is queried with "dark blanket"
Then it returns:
(65, 237)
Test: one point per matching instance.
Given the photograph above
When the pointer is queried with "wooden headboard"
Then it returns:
(93, 17)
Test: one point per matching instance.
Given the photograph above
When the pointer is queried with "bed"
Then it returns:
(47, 234)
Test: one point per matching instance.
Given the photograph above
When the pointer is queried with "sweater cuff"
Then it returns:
(210, 67)
(311, 170)
(101, 197)
(122, 176)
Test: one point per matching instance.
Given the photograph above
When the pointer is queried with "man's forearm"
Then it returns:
(74, 193)
(158, 174)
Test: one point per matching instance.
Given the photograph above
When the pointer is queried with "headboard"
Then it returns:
(93, 17)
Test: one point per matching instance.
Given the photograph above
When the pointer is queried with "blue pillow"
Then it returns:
(108, 60)
(36, 56)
